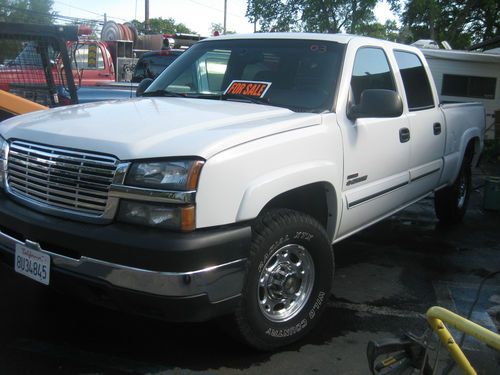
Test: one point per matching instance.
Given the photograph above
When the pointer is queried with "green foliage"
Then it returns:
(387, 31)
(461, 23)
(26, 11)
(330, 16)
(162, 26)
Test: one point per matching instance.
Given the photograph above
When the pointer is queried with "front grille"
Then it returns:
(60, 178)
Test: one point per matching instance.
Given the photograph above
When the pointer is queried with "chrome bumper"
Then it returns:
(218, 282)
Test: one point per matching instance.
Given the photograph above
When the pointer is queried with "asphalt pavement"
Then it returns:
(386, 277)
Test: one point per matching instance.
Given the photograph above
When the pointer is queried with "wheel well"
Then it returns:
(317, 200)
(472, 150)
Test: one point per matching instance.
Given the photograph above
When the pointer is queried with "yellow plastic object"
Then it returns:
(437, 315)
(17, 105)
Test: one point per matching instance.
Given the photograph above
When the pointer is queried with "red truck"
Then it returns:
(34, 61)
(35, 69)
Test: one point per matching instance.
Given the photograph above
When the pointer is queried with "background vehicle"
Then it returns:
(12, 105)
(222, 189)
(30, 53)
(150, 65)
(464, 76)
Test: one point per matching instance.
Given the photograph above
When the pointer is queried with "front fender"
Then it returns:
(263, 189)
(236, 184)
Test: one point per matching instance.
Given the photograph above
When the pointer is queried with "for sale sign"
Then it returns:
(256, 89)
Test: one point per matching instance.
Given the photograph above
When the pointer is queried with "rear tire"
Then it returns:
(451, 202)
(288, 279)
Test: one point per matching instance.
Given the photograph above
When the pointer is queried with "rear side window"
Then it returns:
(371, 71)
(415, 79)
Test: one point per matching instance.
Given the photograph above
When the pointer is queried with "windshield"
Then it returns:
(297, 74)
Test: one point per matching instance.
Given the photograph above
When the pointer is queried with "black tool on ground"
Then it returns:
(399, 354)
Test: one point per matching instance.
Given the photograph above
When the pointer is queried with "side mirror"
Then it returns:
(377, 103)
(143, 85)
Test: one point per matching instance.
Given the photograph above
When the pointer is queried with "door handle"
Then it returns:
(404, 135)
(437, 128)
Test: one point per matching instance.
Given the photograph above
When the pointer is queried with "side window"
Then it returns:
(371, 71)
(415, 80)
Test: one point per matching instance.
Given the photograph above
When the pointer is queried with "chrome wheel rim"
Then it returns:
(285, 283)
(462, 191)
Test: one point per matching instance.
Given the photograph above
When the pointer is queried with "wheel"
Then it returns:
(451, 202)
(287, 282)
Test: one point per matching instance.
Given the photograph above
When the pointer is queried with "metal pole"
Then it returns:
(146, 16)
(225, 15)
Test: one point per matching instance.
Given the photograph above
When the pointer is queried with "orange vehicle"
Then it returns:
(12, 105)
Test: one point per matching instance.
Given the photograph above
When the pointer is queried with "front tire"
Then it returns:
(288, 279)
(451, 202)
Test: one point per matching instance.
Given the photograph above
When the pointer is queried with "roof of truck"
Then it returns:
(339, 38)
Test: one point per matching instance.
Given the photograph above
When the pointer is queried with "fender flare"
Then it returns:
(263, 189)
(468, 135)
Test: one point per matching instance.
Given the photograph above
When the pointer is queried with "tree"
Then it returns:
(26, 11)
(162, 26)
(458, 22)
(387, 31)
(330, 16)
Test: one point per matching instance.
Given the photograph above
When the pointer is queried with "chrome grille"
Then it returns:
(60, 178)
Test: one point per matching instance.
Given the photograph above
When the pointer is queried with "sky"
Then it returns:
(198, 15)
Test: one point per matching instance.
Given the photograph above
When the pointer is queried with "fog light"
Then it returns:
(157, 215)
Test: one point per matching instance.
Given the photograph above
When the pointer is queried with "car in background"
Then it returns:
(151, 64)
(13, 105)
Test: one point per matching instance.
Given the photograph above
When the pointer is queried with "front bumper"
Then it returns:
(204, 266)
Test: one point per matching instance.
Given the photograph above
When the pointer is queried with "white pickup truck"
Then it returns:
(222, 189)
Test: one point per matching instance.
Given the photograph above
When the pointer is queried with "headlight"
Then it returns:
(157, 215)
(4, 147)
(165, 175)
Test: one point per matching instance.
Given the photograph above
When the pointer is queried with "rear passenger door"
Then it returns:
(426, 124)
(376, 150)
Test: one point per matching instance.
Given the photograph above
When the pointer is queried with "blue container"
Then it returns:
(491, 193)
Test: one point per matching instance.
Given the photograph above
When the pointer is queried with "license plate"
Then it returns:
(32, 263)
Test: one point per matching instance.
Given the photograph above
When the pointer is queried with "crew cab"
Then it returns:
(221, 190)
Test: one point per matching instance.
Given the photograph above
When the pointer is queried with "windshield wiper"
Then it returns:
(164, 93)
(251, 99)
(202, 96)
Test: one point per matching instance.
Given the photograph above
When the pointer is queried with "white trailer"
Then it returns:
(463, 76)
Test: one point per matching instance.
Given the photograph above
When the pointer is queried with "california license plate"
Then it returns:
(32, 263)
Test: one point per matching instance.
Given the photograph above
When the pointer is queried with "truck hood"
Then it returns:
(155, 127)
